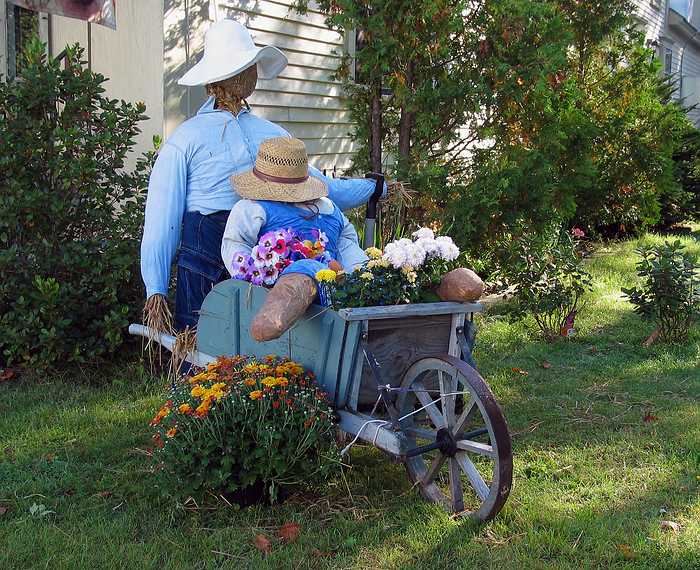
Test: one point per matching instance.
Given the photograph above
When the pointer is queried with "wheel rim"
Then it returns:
(475, 478)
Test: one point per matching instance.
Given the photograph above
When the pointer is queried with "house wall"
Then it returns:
(304, 99)
(652, 14)
(131, 57)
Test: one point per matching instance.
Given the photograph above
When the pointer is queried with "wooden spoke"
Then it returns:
(434, 468)
(456, 486)
(464, 416)
(448, 385)
(421, 432)
(430, 405)
(477, 447)
(490, 490)
(472, 473)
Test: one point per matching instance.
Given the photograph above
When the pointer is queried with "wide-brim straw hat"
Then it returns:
(228, 50)
(281, 174)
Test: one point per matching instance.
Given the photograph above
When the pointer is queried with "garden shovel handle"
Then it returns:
(371, 213)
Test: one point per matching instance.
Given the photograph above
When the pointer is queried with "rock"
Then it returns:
(461, 286)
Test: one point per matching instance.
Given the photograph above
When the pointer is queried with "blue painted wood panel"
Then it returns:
(321, 341)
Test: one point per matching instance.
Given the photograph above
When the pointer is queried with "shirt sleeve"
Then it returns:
(165, 207)
(349, 250)
(242, 231)
(350, 193)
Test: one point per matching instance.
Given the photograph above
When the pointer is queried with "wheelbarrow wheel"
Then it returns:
(461, 456)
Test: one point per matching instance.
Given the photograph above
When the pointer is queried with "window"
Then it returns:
(19, 26)
(668, 61)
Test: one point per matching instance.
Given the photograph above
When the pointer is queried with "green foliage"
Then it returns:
(670, 292)
(504, 113)
(548, 280)
(684, 204)
(70, 213)
(241, 423)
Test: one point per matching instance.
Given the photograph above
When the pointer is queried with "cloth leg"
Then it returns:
(199, 264)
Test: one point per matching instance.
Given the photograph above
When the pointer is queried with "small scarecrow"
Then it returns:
(189, 194)
(283, 232)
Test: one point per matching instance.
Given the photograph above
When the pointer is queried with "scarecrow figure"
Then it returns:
(283, 232)
(189, 196)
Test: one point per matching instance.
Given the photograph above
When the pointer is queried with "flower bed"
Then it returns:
(245, 424)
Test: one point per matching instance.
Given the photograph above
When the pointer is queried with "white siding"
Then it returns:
(131, 57)
(652, 14)
(304, 99)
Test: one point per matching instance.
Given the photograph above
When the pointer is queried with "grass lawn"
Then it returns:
(592, 481)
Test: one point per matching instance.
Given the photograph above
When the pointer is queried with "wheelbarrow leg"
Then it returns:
(466, 336)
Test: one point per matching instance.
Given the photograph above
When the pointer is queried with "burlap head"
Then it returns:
(231, 93)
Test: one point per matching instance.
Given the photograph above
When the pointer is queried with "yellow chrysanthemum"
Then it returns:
(373, 252)
(256, 394)
(250, 382)
(198, 391)
(326, 276)
(270, 381)
(367, 276)
(251, 368)
(171, 432)
(185, 409)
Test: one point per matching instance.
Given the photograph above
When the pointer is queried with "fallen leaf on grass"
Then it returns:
(546, 365)
(520, 371)
(68, 492)
(670, 525)
(649, 417)
(105, 494)
(262, 543)
(6, 375)
(3, 510)
(9, 453)
(50, 457)
(626, 551)
(289, 532)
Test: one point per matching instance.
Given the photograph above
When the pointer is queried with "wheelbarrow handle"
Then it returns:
(371, 212)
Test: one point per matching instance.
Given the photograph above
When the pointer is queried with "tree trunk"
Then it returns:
(376, 127)
(405, 128)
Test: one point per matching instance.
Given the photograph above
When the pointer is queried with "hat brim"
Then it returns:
(210, 69)
(249, 186)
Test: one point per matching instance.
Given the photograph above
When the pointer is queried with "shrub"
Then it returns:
(242, 423)
(70, 213)
(547, 278)
(670, 292)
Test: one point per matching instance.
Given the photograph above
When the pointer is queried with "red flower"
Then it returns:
(578, 233)
(276, 404)
(280, 247)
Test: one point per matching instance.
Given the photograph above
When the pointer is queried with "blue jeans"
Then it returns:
(199, 264)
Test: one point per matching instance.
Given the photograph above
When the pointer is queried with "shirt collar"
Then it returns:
(208, 107)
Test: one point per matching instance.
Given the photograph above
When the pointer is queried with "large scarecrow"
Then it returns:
(189, 194)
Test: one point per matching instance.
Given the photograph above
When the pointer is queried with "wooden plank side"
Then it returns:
(397, 343)
(417, 309)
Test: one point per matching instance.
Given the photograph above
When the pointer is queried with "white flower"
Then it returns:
(415, 255)
(395, 254)
(424, 233)
(404, 252)
(448, 250)
(430, 245)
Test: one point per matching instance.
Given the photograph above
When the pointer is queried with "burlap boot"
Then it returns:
(285, 304)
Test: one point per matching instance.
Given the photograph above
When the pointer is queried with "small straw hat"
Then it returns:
(281, 174)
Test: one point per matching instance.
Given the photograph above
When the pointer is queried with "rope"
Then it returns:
(346, 449)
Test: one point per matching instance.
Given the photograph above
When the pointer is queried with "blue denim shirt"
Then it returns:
(192, 174)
